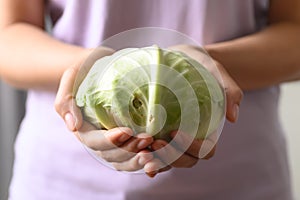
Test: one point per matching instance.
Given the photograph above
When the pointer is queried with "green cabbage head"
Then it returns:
(152, 90)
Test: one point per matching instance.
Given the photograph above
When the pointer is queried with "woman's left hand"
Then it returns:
(178, 155)
(198, 149)
(233, 92)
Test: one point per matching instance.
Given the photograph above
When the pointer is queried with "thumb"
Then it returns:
(65, 104)
(234, 96)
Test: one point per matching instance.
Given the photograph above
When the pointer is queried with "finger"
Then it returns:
(71, 79)
(154, 173)
(209, 155)
(102, 140)
(164, 169)
(208, 146)
(155, 166)
(127, 150)
(116, 155)
(185, 161)
(203, 149)
(234, 96)
(136, 163)
(182, 139)
(86, 127)
(233, 92)
(171, 156)
(64, 102)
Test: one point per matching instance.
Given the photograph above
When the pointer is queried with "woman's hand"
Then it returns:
(70, 81)
(176, 154)
(198, 149)
(233, 92)
(117, 146)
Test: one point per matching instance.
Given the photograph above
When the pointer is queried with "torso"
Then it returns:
(250, 162)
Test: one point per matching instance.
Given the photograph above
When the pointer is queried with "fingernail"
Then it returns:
(142, 144)
(236, 109)
(69, 119)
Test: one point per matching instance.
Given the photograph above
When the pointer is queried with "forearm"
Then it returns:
(263, 59)
(32, 59)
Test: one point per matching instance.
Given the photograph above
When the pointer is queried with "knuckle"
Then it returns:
(134, 165)
(132, 147)
(70, 71)
(240, 95)
(234, 93)
(239, 91)
(58, 103)
(61, 104)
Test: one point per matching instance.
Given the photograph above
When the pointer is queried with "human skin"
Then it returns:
(260, 56)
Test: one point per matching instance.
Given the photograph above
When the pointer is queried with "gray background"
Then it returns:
(11, 113)
(290, 116)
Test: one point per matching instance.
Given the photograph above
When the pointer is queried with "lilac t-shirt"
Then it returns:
(250, 161)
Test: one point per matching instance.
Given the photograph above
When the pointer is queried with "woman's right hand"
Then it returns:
(117, 146)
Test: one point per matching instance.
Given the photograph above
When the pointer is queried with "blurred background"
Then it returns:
(11, 114)
(290, 116)
(12, 111)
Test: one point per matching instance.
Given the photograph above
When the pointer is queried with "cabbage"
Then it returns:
(152, 90)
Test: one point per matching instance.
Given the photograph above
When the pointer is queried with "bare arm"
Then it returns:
(269, 57)
(30, 58)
